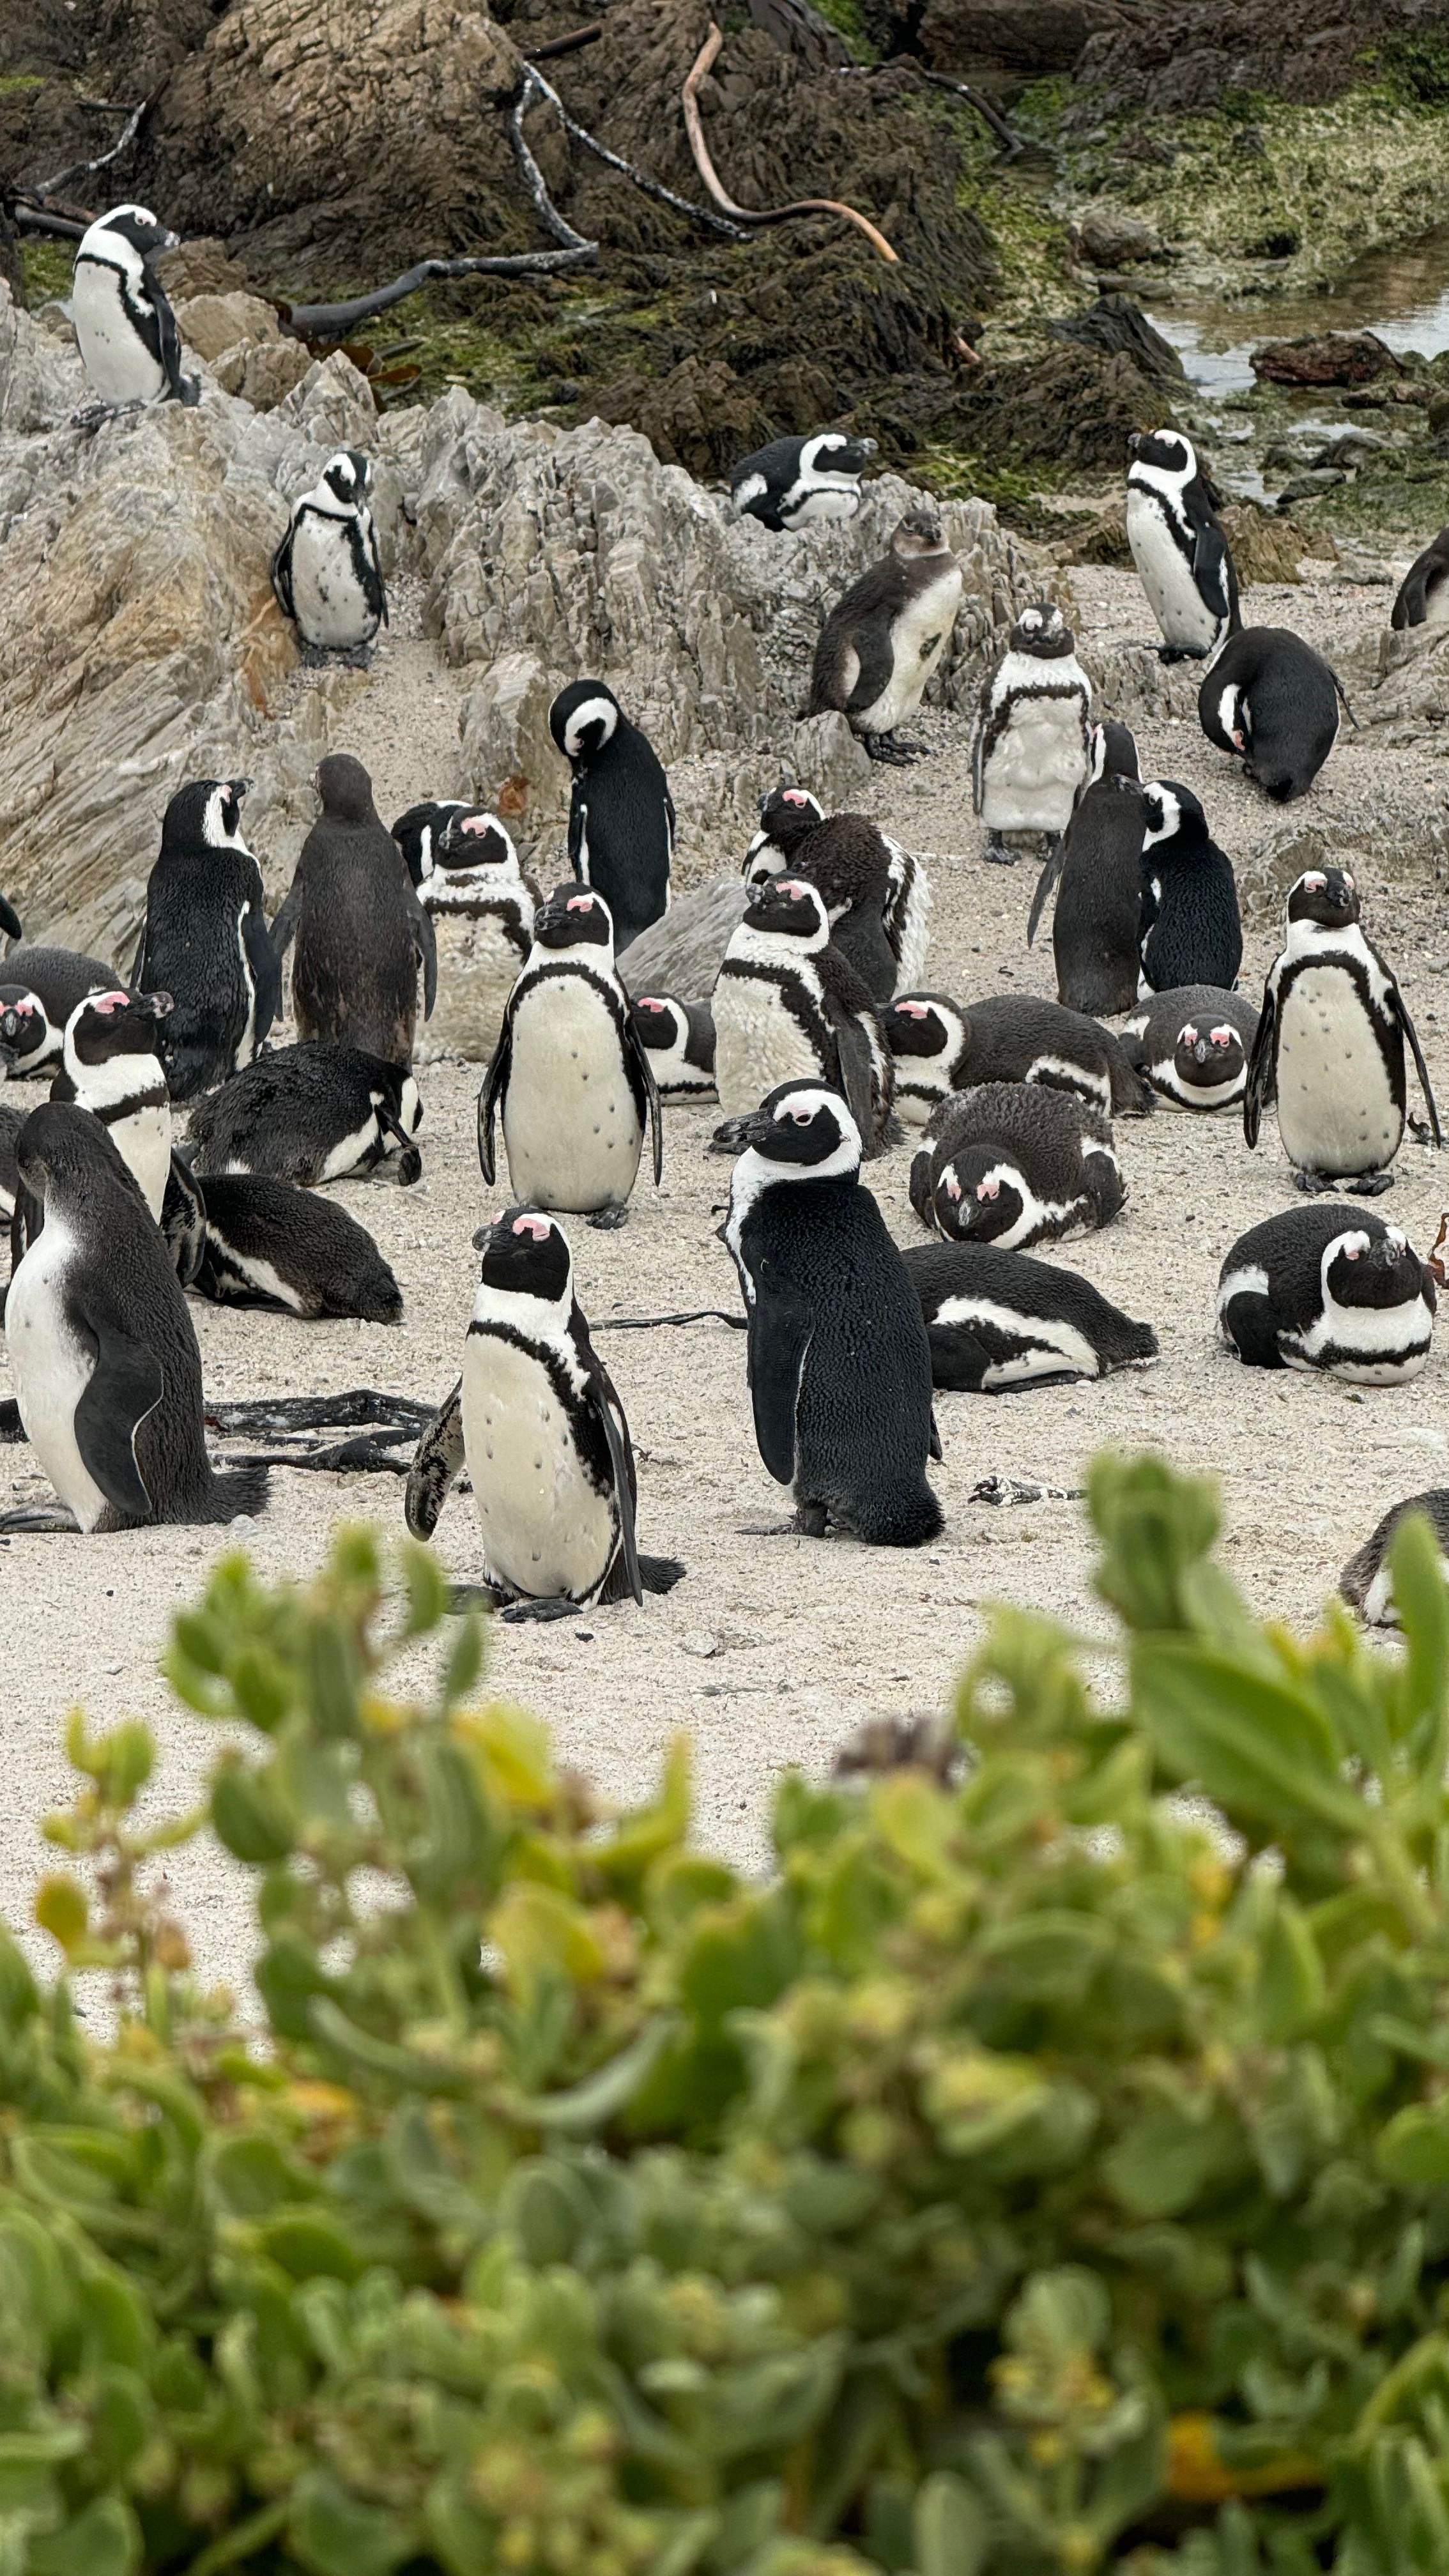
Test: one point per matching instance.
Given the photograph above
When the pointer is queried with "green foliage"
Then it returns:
(1417, 66)
(1038, 2173)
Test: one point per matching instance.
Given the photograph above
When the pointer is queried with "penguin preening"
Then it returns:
(942, 1046)
(1183, 559)
(680, 1040)
(205, 939)
(882, 642)
(839, 1364)
(482, 905)
(1328, 1287)
(621, 814)
(795, 482)
(1190, 928)
(1272, 701)
(1330, 1045)
(1193, 1044)
(877, 895)
(267, 1243)
(1032, 746)
(361, 932)
(787, 1007)
(1423, 599)
(125, 329)
(308, 1114)
(997, 1320)
(1367, 1582)
(327, 573)
(1015, 1164)
(536, 1419)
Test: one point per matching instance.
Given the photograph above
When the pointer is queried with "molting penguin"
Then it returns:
(361, 932)
(125, 329)
(997, 1320)
(570, 1075)
(881, 643)
(102, 1351)
(1330, 1042)
(482, 905)
(877, 894)
(1193, 1045)
(940, 1047)
(326, 572)
(1423, 600)
(112, 1067)
(1274, 702)
(536, 1419)
(1182, 556)
(269, 1244)
(794, 482)
(1191, 930)
(839, 1364)
(1331, 1288)
(308, 1114)
(1015, 1164)
(1032, 745)
(788, 1008)
(621, 814)
(1367, 1581)
(680, 1039)
(205, 939)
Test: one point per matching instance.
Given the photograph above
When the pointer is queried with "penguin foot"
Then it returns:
(92, 416)
(1372, 1185)
(1177, 653)
(518, 1612)
(997, 855)
(890, 748)
(40, 1520)
(11, 1426)
(1314, 1184)
(608, 1220)
(809, 1521)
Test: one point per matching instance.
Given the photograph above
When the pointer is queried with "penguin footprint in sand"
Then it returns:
(1015, 1164)
(1330, 1288)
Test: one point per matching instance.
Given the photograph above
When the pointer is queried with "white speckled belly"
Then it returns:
(570, 1127)
(546, 1530)
(1336, 1112)
(758, 1043)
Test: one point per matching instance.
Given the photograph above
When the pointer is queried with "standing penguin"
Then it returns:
(1274, 702)
(542, 1432)
(1330, 1042)
(680, 1040)
(205, 939)
(1032, 746)
(882, 642)
(1097, 925)
(1330, 1288)
(1193, 1045)
(1182, 556)
(102, 1351)
(796, 482)
(1015, 1164)
(361, 932)
(125, 329)
(865, 877)
(1191, 929)
(570, 1075)
(621, 814)
(839, 1364)
(1111, 753)
(327, 573)
(788, 1008)
(482, 905)
(1423, 596)
(112, 1067)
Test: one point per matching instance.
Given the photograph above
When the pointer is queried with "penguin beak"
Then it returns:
(757, 1130)
(1200, 1051)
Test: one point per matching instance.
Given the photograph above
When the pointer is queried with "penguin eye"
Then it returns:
(1350, 1252)
(988, 1189)
(1189, 1037)
(1222, 1037)
(802, 1117)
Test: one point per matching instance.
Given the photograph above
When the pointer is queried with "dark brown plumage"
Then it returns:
(361, 932)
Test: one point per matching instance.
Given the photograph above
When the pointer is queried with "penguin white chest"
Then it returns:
(331, 605)
(1187, 623)
(758, 1042)
(918, 638)
(113, 353)
(547, 1530)
(143, 1141)
(51, 1367)
(480, 953)
(1035, 766)
(1336, 1107)
(570, 1127)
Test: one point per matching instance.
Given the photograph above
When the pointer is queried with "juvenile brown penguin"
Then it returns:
(881, 643)
(361, 932)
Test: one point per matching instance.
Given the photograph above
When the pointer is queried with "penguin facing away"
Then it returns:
(787, 1007)
(1330, 1044)
(1367, 1582)
(1183, 559)
(327, 573)
(1423, 600)
(1273, 702)
(361, 932)
(1111, 753)
(621, 814)
(1328, 1287)
(940, 1047)
(1015, 1164)
(679, 1037)
(882, 642)
(537, 1421)
(796, 482)
(998, 1320)
(267, 1243)
(308, 1114)
(1032, 744)
(125, 329)
(838, 1360)
(1097, 925)
(1193, 1045)
(205, 939)
(1191, 929)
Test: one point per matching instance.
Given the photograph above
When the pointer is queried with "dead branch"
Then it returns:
(988, 114)
(84, 169)
(746, 214)
(572, 43)
(639, 178)
(535, 86)
(338, 321)
(39, 219)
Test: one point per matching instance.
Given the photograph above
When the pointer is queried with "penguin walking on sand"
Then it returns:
(536, 1419)
(883, 641)
(1193, 1044)
(997, 1320)
(941, 1046)
(679, 1037)
(570, 1076)
(309, 1115)
(1032, 746)
(102, 1350)
(839, 1364)
(361, 932)
(1423, 597)
(1182, 555)
(1330, 1044)
(621, 814)
(1015, 1164)
(1331, 1288)
(1367, 1581)
(1273, 702)
(205, 939)
(797, 482)
(482, 905)
(327, 573)
(788, 1008)
(1191, 929)
(125, 329)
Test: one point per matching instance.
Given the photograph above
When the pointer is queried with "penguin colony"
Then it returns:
(818, 1037)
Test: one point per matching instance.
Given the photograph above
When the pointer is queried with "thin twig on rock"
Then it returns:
(746, 214)
(640, 178)
(83, 169)
(335, 321)
(39, 219)
(572, 43)
(535, 86)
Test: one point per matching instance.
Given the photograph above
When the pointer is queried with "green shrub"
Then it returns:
(1029, 2176)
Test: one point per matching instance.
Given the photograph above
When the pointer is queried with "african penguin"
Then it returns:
(679, 1037)
(621, 814)
(1423, 595)
(1191, 930)
(1328, 1287)
(877, 895)
(419, 833)
(997, 1320)
(838, 1360)
(102, 1350)
(125, 329)
(788, 1008)
(361, 932)
(1330, 1043)
(1111, 753)
(1015, 1164)
(794, 482)
(570, 1076)
(482, 905)
(11, 1122)
(1031, 747)
(536, 1419)
(308, 1114)
(1183, 559)
(1193, 1044)
(1097, 925)
(882, 642)
(326, 572)
(205, 939)
(58, 978)
(1271, 700)
(942, 1046)
(267, 1243)
(111, 1065)
(1367, 1581)
(27, 1040)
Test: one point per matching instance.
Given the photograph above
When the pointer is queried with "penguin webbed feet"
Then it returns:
(809, 1521)
(39, 1520)
(93, 416)
(1314, 1185)
(516, 1614)
(995, 854)
(608, 1220)
(1178, 653)
(1372, 1185)
(1423, 1134)
(893, 748)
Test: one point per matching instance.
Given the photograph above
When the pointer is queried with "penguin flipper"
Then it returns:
(437, 1464)
(646, 1089)
(495, 1083)
(600, 1393)
(425, 943)
(578, 833)
(857, 1067)
(184, 389)
(874, 659)
(1212, 566)
(1044, 884)
(284, 924)
(126, 1386)
(374, 589)
(183, 1221)
(1260, 1065)
(1422, 1070)
(266, 965)
(10, 920)
(282, 575)
(780, 1337)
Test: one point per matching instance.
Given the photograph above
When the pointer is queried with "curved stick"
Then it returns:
(83, 169)
(535, 86)
(335, 321)
(746, 214)
(639, 178)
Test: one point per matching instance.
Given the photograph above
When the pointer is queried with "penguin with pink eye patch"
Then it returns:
(1014, 1163)
(941, 1046)
(1193, 1044)
(27, 1038)
(1328, 1287)
(680, 1039)
(482, 902)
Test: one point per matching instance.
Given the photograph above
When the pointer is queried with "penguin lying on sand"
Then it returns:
(266, 1243)
(1193, 1044)
(309, 1114)
(326, 572)
(205, 939)
(57, 978)
(1274, 702)
(1014, 1164)
(680, 1040)
(877, 896)
(998, 1319)
(1423, 597)
(361, 932)
(1367, 1582)
(537, 1422)
(796, 482)
(621, 814)
(1191, 930)
(788, 1008)
(882, 642)
(1182, 556)
(940, 1046)
(125, 329)
(1031, 751)
(1328, 1287)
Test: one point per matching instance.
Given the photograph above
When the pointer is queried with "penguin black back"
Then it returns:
(794, 482)
(1423, 596)
(308, 1114)
(1328, 1287)
(267, 1243)
(1000, 1319)
(621, 814)
(846, 858)
(1191, 929)
(1015, 1164)
(205, 939)
(1097, 926)
(361, 933)
(1269, 698)
(1367, 1582)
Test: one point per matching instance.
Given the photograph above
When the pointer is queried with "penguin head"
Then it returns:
(978, 1196)
(345, 789)
(24, 1027)
(473, 838)
(348, 477)
(583, 718)
(575, 917)
(1328, 896)
(659, 1020)
(789, 908)
(1208, 1053)
(1235, 716)
(132, 229)
(525, 1254)
(206, 814)
(62, 1146)
(919, 1025)
(918, 534)
(806, 1131)
(1113, 752)
(1165, 454)
(1171, 813)
(105, 1025)
(1044, 631)
(1375, 1265)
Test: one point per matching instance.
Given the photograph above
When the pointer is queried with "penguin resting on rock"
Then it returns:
(1191, 929)
(1182, 556)
(998, 1319)
(327, 573)
(1328, 1287)
(621, 814)
(1193, 1045)
(1423, 600)
(1031, 752)
(125, 329)
(361, 932)
(1014, 1164)
(797, 482)
(881, 643)
(1271, 700)
(205, 939)
(788, 1008)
